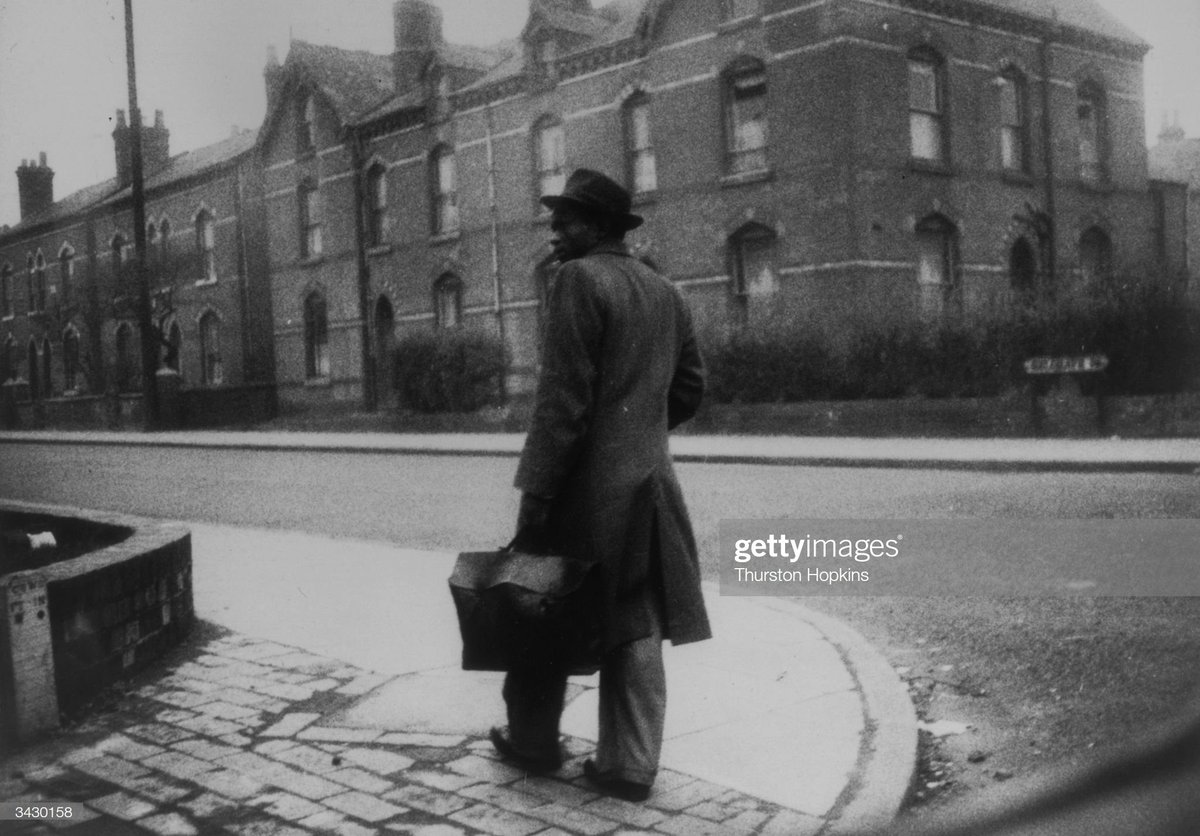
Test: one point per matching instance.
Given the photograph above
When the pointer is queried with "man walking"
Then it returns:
(620, 368)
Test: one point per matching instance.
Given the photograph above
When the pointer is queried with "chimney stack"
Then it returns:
(35, 186)
(155, 147)
(417, 30)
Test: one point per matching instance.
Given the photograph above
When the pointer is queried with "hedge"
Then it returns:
(448, 371)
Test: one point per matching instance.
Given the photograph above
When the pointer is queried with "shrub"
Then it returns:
(449, 371)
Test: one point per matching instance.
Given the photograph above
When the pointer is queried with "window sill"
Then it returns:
(379, 249)
(938, 167)
(445, 237)
(1103, 186)
(745, 178)
(1017, 177)
(204, 282)
(310, 261)
(645, 198)
(318, 382)
(542, 218)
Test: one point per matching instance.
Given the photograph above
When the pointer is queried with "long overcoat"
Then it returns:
(620, 367)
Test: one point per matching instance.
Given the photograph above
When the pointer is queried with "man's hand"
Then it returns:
(533, 520)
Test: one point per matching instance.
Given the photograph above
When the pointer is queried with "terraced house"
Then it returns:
(832, 159)
(68, 289)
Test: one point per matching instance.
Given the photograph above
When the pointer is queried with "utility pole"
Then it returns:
(145, 325)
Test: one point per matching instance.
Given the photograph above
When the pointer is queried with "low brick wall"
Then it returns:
(186, 409)
(110, 611)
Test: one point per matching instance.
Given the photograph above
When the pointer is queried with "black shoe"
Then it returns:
(530, 763)
(616, 787)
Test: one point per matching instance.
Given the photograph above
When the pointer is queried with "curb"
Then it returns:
(510, 445)
(888, 756)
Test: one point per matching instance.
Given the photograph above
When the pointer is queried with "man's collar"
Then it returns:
(614, 247)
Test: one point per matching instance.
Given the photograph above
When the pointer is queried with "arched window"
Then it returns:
(745, 90)
(444, 191)
(35, 391)
(1095, 256)
(639, 145)
(937, 265)
(37, 301)
(306, 126)
(46, 371)
(6, 291)
(550, 157)
(174, 347)
(1023, 269)
(70, 340)
(151, 243)
(316, 337)
(927, 106)
(447, 300)
(752, 261)
(309, 199)
(377, 204)
(211, 370)
(66, 272)
(164, 240)
(1014, 135)
(8, 360)
(206, 241)
(1091, 123)
(126, 365)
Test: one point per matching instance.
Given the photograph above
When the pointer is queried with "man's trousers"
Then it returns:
(633, 702)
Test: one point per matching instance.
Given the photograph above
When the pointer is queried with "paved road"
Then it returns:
(449, 503)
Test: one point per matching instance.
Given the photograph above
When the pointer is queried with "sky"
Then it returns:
(63, 75)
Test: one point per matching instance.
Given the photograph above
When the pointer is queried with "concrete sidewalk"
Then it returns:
(336, 703)
(1166, 455)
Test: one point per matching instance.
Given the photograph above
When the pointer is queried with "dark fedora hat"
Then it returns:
(594, 192)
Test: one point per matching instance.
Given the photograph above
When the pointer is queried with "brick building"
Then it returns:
(838, 160)
(1175, 167)
(68, 289)
(834, 161)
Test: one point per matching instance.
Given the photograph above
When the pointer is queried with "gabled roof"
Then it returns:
(178, 168)
(353, 82)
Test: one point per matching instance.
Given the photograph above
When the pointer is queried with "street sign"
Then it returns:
(1066, 365)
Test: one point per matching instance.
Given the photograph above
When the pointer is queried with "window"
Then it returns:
(126, 368)
(1095, 256)
(753, 261)
(35, 390)
(211, 371)
(38, 301)
(316, 337)
(937, 265)
(1014, 141)
(310, 221)
(447, 300)
(47, 373)
(550, 153)
(639, 146)
(206, 246)
(746, 118)
(70, 340)
(174, 347)
(66, 271)
(164, 240)
(6, 290)
(1022, 269)
(926, 106)
(8, 361)
(377, 204)
(151, 243)
(1090, 121)
(306, 126)
(445, 194)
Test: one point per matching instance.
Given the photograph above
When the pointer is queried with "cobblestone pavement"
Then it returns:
(229, 736)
